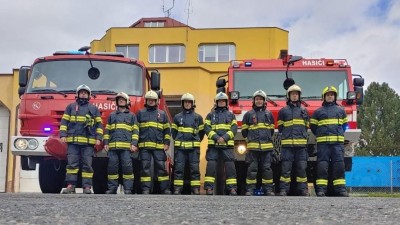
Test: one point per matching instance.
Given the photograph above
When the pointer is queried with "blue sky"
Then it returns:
(365, 32)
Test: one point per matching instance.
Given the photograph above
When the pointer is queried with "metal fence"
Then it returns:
(374, 175)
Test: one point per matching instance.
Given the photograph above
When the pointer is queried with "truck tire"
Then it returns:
(51, 175)
(100, 175)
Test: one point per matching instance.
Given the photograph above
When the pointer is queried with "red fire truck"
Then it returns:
(312, 75)
(49, 85)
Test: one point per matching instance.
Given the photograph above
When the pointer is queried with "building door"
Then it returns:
(4, 128)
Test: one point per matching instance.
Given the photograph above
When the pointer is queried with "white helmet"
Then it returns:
(151, 95)
(260, 93)
(294, 87)
(221, 96)
(188, 97)
(83, 87)
(124, 96)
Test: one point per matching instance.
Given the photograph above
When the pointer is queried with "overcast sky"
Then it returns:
(365, 32)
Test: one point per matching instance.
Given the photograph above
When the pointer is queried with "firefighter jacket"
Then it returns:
(81, 124)
(292, 124)
(328, 123)
(122, 130)
(220, 123)
(154, 130)
(258, 128)
(187, 129)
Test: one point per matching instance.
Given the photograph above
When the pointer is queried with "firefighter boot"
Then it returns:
(87, 190)
(232, 192)
(177, 191)
(269, 193)
(145, 192)
(343, 194)
(249, 192)
(167, 192)
(210, 192)
(195, 191)
(282, 193)
(127, 192)
(111, 192)
(320, 194)
(69, 190)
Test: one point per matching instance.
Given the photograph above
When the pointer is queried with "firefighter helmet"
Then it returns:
(83, 87)
(188, 97)
(329, 89)
(294, 87)
(221, 96)
(260, 93)
(124, 96)
(151, 95)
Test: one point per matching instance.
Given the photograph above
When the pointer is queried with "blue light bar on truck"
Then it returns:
(47, 129)
(248, 64)
(72, 52)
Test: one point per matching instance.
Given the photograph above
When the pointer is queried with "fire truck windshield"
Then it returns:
(64, 76)
(311, 82)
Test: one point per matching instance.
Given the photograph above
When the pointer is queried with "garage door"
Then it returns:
(4, 124)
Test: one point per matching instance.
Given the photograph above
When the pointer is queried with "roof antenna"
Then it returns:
(167, 12)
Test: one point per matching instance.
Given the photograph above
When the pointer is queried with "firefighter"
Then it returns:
(187, 132)
(328, 123)
(220, 127)
(292, 125)
(154, 140)
(81, 127)
(120, 139)
(258, 128)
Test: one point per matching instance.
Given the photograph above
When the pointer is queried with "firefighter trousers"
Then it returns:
(75, 154)
(212, 156)
(255, 159)
(330, 154)
(183, 156)
(298, 157)
(115, 158)
(159, 158)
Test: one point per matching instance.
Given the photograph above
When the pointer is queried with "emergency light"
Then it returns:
(47, 129)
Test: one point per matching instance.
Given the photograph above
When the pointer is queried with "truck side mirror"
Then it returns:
(358, 82)
(155, 80)
(21, 91)
(359, 95)
(94, 73)
(23, 76)
(221, 89)
(220, 83)
(287, 83)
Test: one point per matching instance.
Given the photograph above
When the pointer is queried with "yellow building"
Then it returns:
(189, 60)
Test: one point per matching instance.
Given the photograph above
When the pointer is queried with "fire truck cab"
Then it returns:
(312, 75)
(49, 85)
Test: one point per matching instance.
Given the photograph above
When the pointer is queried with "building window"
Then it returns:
(130, 51)
(217, 52)
(154, 24)
(166, 54)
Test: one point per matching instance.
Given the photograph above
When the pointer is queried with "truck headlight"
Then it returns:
(33, 144)
(21, 144)
(241, 149)
(26, 144)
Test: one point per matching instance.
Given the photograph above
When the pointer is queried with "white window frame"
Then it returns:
(202, 49)
(153, 52)
(154, 24)
(126, 51)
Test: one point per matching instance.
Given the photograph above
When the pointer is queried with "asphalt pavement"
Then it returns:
(186, 209)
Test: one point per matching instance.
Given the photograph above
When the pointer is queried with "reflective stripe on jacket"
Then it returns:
(81, 124)
(258, 128)
(292, 124)
(154, 130)
(220, 123)
(328, 122)
(121, 130)
(187, 130)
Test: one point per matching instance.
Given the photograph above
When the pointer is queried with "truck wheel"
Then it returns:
(51, 175)
(100, 175)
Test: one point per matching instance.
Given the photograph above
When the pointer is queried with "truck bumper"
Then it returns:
(30, 150)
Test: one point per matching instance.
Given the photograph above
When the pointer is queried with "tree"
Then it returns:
(379, 120)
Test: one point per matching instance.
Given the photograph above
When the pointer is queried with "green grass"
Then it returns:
(381, 194)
